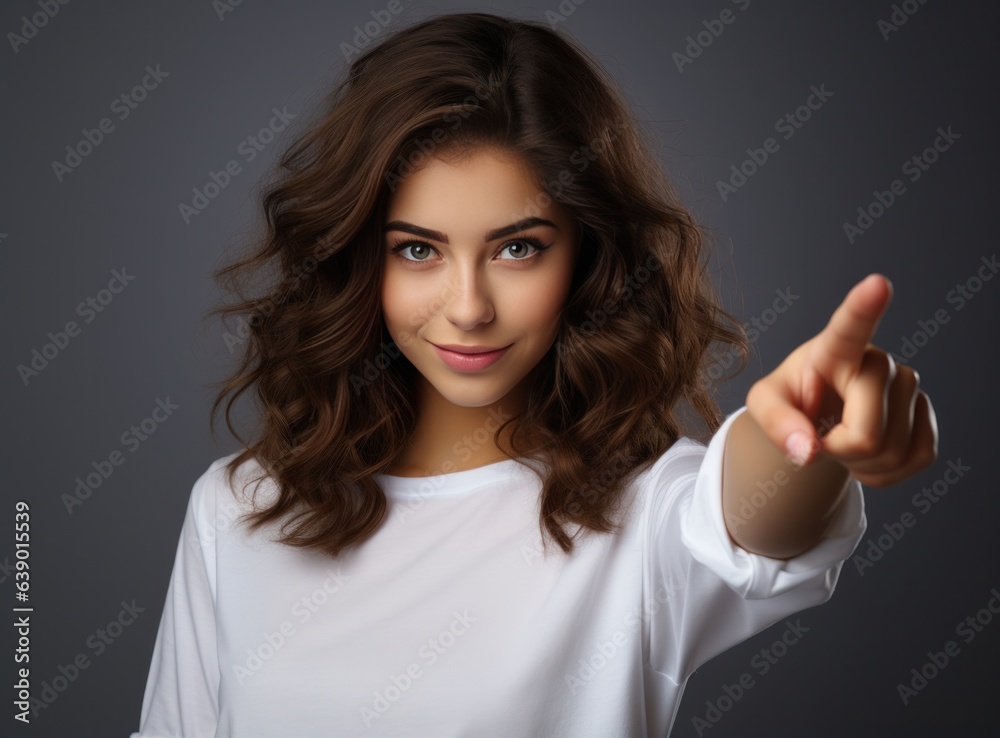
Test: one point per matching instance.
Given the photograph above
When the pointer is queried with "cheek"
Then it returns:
(408, 302)
(537, 303)
(394, 307)
(397, 298)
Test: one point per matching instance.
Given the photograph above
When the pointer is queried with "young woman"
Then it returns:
(490, 317)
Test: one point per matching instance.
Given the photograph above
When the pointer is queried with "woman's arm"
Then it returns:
(771, 506)
(777, 507)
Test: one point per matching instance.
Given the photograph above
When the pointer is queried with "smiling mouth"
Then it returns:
(469, 350)
(467, 360)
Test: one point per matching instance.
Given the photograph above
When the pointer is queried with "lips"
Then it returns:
(471, 349)
(469, 358)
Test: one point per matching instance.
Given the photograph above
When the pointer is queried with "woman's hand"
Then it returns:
(881, 427)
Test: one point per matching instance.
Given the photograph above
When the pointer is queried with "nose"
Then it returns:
(469, 303)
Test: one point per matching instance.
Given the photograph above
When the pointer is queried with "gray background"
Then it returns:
(783, 229)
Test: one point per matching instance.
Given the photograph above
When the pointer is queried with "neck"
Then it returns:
(450, 437)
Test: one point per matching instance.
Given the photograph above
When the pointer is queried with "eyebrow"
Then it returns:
(402, 225)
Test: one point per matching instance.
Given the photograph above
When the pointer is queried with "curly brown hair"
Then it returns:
(636, 328)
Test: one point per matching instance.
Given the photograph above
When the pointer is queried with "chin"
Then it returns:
(472, 397)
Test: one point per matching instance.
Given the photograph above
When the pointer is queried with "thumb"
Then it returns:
(787, 427)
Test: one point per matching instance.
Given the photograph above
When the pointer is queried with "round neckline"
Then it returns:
(449, 483)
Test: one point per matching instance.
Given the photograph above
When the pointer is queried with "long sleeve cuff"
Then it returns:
(751, 575)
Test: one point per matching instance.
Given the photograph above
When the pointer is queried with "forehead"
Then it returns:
(481, 177)
(464, 194)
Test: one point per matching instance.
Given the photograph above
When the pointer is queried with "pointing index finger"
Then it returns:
(853, 324)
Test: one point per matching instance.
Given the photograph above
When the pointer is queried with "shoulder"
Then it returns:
(217, 504)
(682, 460)
(688, 460)
(216, 495)
(668, 480)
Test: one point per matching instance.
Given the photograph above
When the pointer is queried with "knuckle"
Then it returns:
(887, 365)
(876, 359)
(909, 377)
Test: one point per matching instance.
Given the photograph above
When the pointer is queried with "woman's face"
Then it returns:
(460, 273)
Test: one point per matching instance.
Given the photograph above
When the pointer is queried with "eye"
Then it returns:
(421, 250)
(537, 245)
(421, 247)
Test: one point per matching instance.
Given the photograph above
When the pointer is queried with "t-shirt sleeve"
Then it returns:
(709, 592)
(181, 697)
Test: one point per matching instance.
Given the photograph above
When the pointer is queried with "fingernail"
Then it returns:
(798, 448)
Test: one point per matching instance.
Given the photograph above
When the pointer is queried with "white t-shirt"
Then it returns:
(449, 621)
